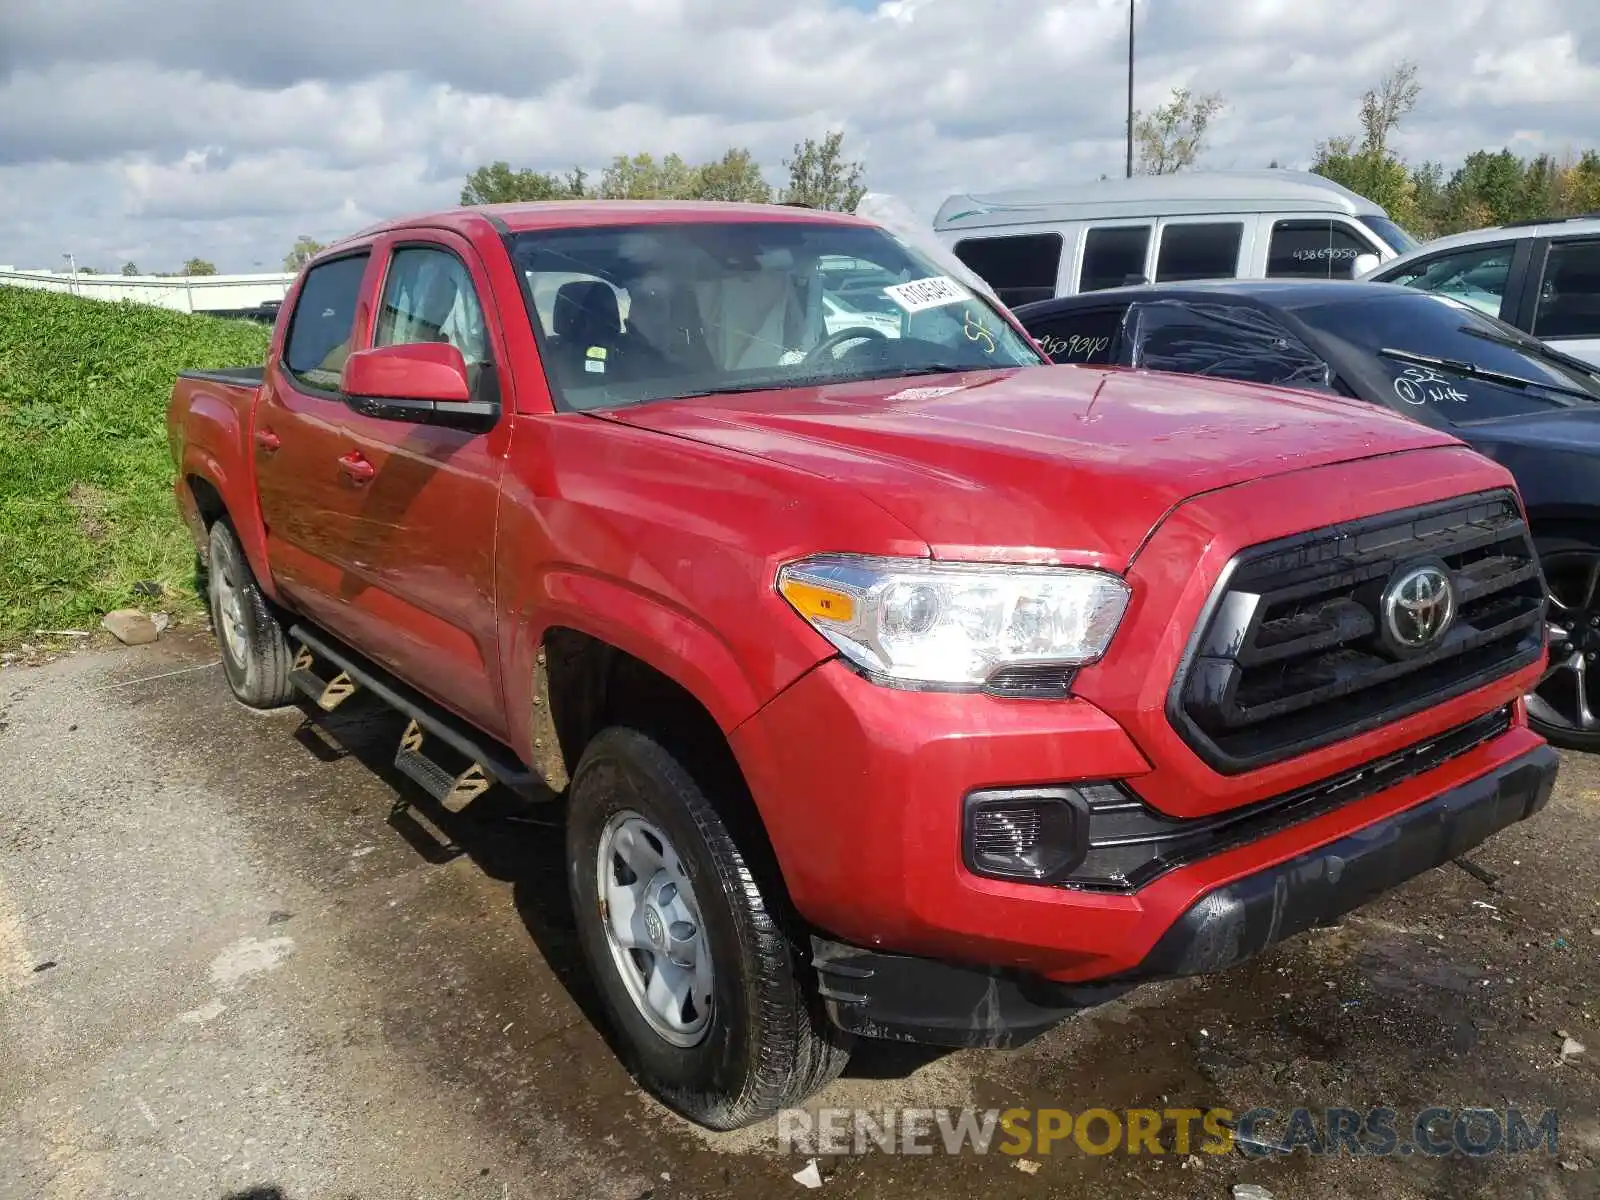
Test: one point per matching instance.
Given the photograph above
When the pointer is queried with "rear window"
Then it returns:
(324, 315)
(1204, 251)
(1020, 269)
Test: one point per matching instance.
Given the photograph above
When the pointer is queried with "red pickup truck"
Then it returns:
(894, 683)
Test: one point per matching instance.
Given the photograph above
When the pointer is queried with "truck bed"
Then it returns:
(247, 376)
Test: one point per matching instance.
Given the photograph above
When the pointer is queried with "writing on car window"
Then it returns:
(1422, 385)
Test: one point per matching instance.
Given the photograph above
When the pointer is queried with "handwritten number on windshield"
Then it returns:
(1418, 385)
(975, 331)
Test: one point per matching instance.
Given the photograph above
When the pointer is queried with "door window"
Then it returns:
(1224, 341)
(429, 297)
(1314, 250)
(324, 317)
(1019, 268)
(1204, 251)
(1476, 276)
(1114, 256)
(1569, 301)
(1080, 336)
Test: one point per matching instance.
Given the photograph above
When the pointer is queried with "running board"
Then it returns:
(446, 757)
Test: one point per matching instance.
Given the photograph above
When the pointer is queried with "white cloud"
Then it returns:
(157, 129)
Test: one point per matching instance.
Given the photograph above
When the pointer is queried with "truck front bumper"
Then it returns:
(918, 999)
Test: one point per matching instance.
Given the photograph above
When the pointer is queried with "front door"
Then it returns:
(415, 534)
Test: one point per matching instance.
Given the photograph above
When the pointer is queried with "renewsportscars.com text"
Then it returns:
(1256, 1132)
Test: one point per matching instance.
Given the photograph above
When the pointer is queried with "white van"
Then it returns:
(1044, 242)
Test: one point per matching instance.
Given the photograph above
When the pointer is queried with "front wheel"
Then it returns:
(702, 988)
(1565, 706)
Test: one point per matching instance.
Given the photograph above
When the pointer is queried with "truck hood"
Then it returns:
(1054, 463)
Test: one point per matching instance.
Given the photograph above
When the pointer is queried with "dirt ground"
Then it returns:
(226, 970)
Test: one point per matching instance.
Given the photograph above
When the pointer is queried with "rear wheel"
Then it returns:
(255, 649)
(1565, 707)
(703, 990)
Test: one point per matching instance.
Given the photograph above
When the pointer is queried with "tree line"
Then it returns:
(1490, 187)
(818, 176)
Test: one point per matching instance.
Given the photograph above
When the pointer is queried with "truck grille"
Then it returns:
(1295, 649)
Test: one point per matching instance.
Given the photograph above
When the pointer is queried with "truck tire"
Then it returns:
(255, 651)
(1572, 578)
(703, 990)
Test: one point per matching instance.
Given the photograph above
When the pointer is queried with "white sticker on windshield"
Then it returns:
(931, 292)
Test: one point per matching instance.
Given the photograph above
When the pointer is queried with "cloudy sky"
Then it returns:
(153, 130)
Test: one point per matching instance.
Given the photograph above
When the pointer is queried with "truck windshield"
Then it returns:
(638, 313)
(1398, 239)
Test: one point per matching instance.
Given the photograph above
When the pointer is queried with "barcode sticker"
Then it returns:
(931, 292)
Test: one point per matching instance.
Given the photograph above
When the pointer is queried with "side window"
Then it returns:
(1209, 251)
(1019, 268)
(429, 297)
(1569, 300)
(324, 315)
(1476, 276)
(1080, 336)
(1314, 250)
(1113, 256)
(1224, 341)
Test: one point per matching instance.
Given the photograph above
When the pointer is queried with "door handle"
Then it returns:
(268, 440)
(356, 467)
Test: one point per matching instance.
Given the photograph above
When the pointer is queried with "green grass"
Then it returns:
(86, 505)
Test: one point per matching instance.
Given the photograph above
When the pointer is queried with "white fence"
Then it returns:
(185, 293)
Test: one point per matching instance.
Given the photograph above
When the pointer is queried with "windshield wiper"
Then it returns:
(1472, 371)
(1533, 346)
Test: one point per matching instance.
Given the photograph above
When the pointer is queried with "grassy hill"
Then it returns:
(86, 506)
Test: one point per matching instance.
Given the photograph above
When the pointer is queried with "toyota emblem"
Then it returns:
(1418, 606)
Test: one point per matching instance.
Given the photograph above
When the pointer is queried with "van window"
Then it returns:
(1313, 250)
(1113, 256)
(1020, 268)
(1209, 251)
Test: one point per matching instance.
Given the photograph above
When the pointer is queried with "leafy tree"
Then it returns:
(734, 176)
(497, 183)
(820, 177)
(305, 248)
(130, 268)
(199, 266)
(1364, 163)
(1173, 136)
(643, 178)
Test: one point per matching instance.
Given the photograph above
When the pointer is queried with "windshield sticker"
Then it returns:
(1418, 385)
(976, 332)
(1077, 346)
(932, 292)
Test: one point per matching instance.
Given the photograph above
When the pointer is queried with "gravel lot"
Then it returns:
(226, 970)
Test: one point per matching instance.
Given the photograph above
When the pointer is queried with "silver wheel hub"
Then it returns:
(230, 614)
(653, 928)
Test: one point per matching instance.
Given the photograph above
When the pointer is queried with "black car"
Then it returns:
(1434, 359)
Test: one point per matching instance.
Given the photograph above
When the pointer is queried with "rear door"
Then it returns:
(297, 437)
(1563, 307)
(414, 521)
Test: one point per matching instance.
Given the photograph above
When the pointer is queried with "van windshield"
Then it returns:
(1398, 239)
(633, 314)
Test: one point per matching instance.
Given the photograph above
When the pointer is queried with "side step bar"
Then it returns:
(450, 760)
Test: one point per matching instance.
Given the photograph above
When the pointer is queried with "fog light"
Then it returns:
(1034, 834)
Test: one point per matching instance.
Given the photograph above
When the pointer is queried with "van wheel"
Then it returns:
(255, 650)
(701, 986)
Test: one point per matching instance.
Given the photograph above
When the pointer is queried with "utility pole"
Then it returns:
(1130, 89)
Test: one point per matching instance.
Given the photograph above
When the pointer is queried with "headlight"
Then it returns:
(917, 622)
